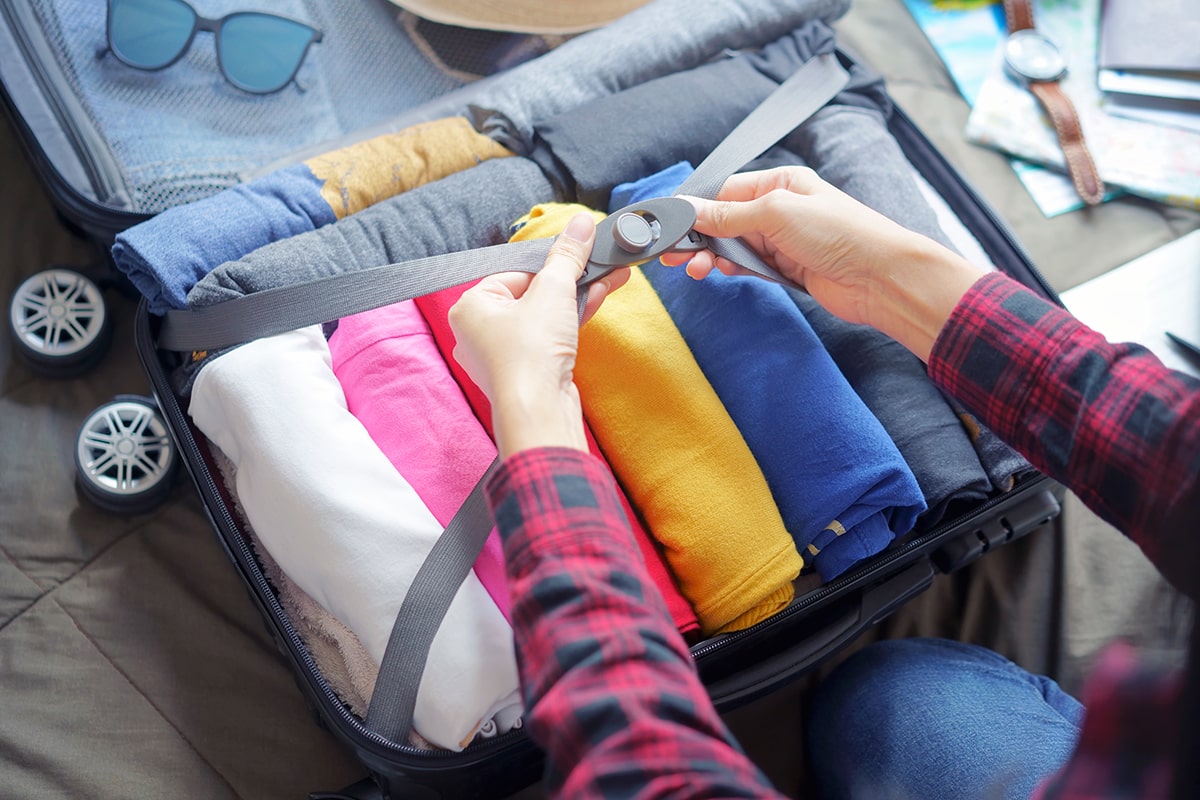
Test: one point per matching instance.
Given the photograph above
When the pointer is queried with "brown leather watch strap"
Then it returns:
(1018, 14)
(1080, 166)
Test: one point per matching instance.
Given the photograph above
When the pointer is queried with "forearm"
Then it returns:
(525, 416)
(918, 292)
(610, 690)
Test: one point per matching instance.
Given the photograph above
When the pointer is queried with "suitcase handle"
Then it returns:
(816, 637)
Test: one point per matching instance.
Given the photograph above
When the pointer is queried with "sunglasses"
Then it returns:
(256, 52)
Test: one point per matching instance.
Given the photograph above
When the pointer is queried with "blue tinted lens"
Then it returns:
(149, 33)
(261, 53)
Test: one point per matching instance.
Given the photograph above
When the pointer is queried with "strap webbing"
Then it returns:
(798, 98)
(394, 699)
(795, 100)
(282, 309)
(433, 588)
(286, 308)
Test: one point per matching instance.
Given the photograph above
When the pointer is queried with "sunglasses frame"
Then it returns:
(213, 26)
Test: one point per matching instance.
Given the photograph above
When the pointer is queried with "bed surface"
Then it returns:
(132, 663)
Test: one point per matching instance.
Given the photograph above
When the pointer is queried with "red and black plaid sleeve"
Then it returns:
(610, 690)
(1108, 421)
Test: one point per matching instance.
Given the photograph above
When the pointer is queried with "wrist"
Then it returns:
(920, 291)
(526, 415)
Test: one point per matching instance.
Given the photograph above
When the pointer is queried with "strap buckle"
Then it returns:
(642, 232)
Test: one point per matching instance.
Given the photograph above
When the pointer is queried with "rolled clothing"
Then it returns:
(344, 524)
(164, 256)
(399, 387)
(886, 375)
(469, 209)
(463, 211)
(851, 148)
(435, 308)
(632, 50)
(894, 385)
(683, 462)
(1003, 464)
(679, 117)
(841, 485)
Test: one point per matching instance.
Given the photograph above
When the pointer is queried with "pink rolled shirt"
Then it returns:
(400, 388)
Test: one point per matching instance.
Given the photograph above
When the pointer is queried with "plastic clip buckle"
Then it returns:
(642, 232)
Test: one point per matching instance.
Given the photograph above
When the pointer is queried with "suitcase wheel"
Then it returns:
(59, 322)
(125, 460)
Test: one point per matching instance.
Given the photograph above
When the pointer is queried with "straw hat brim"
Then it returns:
(522, 16)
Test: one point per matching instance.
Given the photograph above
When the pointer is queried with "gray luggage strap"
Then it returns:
(453, 555)
(286, 308)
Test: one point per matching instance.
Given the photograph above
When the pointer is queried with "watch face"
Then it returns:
(1031, 56)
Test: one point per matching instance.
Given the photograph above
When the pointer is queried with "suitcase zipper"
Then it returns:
(92, 151)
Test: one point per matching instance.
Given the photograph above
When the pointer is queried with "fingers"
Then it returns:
(747, 219)
(503, 285)
(745, 186)
(602, 289)
(700, 266)
(564, 264)
(567, 257)
(751, 220)
(616, 279)
(595, 296)
(748, 200)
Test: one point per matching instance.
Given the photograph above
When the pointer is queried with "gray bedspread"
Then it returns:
(132, 664)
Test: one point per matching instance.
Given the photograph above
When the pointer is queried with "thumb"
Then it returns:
(567, 257)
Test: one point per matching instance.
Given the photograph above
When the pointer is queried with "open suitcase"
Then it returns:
(738, 666)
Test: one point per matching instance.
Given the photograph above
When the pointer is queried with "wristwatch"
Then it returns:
(1035, 60)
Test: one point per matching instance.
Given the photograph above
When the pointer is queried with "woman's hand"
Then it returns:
(855, 262)
(517, 336)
